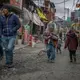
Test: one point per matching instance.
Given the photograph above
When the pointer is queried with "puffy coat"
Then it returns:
(71, 41)
(9, 25)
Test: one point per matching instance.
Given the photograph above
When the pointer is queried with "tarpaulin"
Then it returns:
(33, 17)
(37, 20)
(27, 16)
(41, 15)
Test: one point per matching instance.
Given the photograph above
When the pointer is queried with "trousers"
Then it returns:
(8, 44)
(72, 55)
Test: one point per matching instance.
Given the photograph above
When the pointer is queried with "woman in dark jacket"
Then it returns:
(72, 44)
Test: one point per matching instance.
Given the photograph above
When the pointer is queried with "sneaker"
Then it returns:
(9, 65)
(1, 57)
(71, 61)
(74, 59)
(51, 61)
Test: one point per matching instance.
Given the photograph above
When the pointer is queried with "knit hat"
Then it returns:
(50, 25)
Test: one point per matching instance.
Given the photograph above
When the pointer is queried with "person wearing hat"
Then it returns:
(9, 25)
(72, 44)
(50, 39)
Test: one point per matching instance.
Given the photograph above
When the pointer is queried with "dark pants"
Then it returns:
(58, 48)
(1, 51)
(72, 55)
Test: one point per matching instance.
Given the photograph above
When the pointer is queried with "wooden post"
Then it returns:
(23, 24)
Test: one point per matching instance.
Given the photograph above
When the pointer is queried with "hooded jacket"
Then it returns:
(71, 41)
(9, 25)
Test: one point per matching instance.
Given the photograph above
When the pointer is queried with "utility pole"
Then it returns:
(64, 9)
(38, 2)
(64, 13)
(67, 12)
(23, 1)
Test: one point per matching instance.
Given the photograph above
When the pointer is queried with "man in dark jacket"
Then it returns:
(9, 25)
(72, 44)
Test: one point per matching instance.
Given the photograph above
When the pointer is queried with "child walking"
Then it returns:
(50, 41)
(59, 43)
(72, 44)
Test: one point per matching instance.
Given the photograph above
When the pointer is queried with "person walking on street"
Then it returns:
(50, 39)
(72, 44)
(9, 25)
(59, 44)
(60, 35)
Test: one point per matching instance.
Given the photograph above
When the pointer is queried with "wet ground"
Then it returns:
(29, 66)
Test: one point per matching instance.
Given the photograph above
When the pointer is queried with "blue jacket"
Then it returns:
(9, 25)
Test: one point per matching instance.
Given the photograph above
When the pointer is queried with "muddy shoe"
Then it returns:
(51, 61)
(74, 59)
(71, 61)
(1, 57)
(9, 66)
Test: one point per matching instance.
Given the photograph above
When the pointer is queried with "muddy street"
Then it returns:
(28, 65)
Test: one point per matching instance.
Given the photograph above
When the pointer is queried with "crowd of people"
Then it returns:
(9, 24)
(54, 42)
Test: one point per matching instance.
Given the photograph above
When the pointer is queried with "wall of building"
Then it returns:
(49, 11)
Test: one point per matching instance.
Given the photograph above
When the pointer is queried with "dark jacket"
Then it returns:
(71, 41)
(9, 25)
